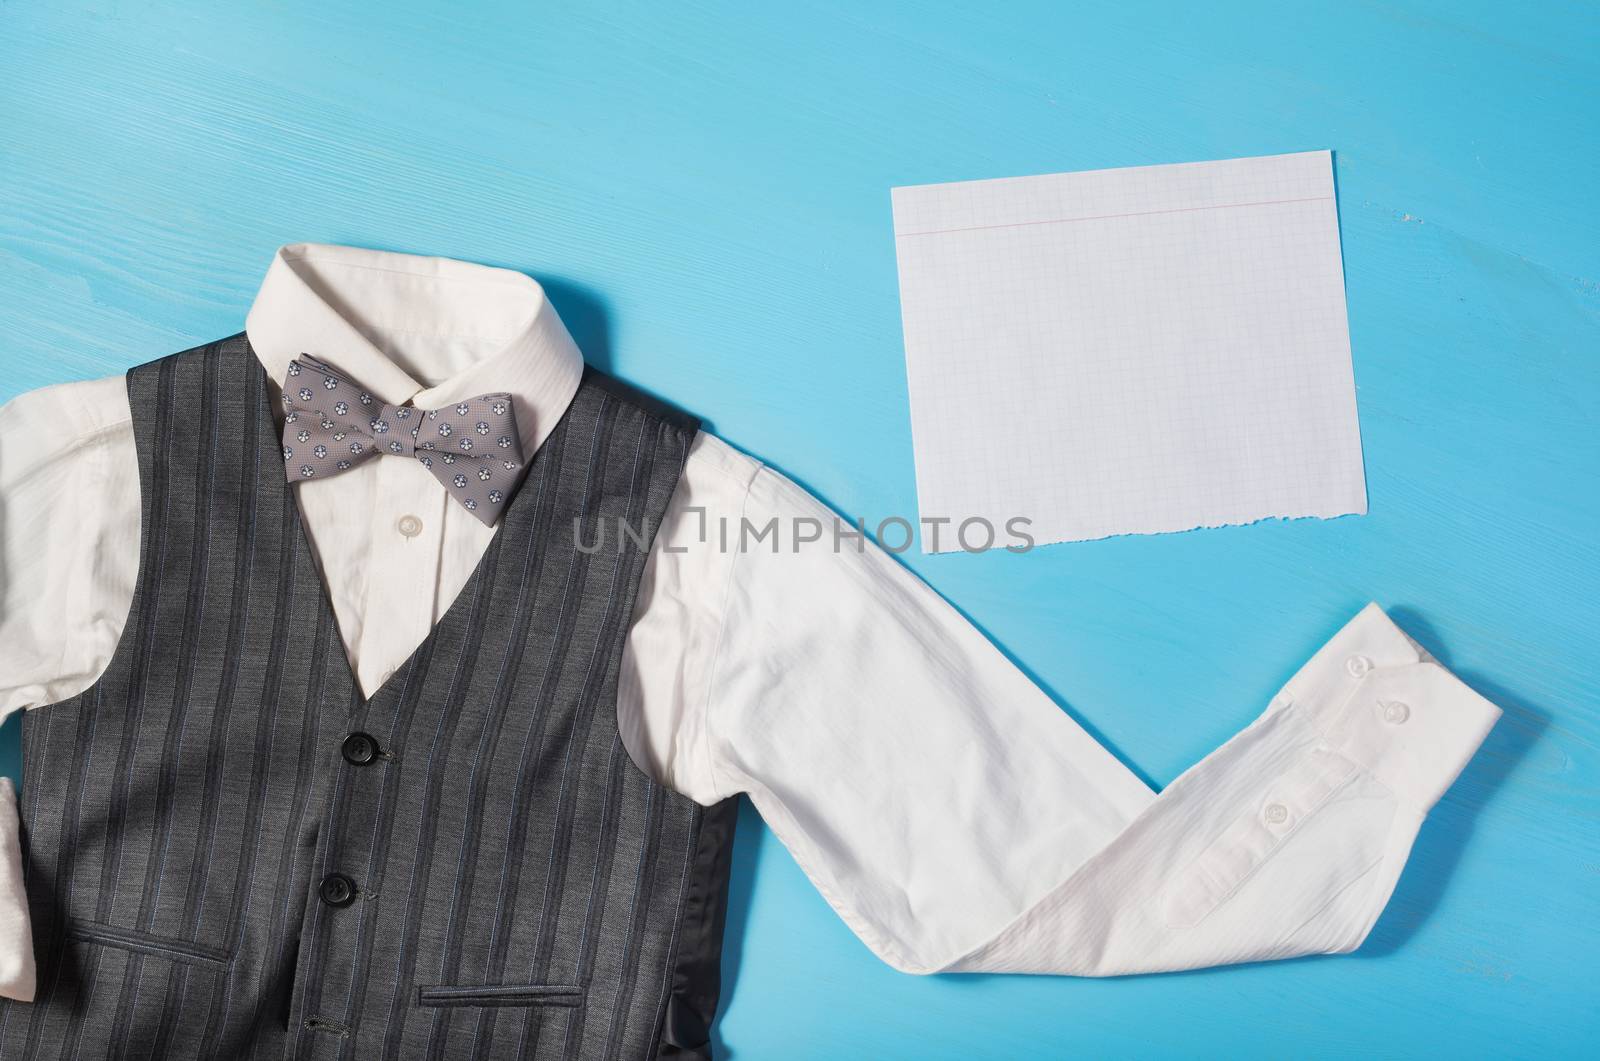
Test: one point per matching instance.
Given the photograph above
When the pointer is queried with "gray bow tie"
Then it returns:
(331, 424)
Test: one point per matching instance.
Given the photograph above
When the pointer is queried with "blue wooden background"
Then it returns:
(703, 187)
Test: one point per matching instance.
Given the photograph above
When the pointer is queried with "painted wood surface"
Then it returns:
(703, 187)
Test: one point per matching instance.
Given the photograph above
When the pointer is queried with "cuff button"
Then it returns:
(1395, 712)
(1358, 666)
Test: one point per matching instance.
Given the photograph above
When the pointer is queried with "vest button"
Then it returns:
(359, 749)
(337, 890)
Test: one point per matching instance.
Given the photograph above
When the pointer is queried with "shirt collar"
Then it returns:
(431, 331)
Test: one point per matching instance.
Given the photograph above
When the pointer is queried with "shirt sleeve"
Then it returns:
(17, 971)
(958, 820)
(69, 542)
(69, 538)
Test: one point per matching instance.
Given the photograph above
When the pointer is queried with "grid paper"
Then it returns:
(1129, 351)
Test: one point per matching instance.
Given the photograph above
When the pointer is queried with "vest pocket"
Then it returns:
(498, 995)
(177, 950)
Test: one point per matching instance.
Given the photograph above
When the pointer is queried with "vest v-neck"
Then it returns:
(513, 523)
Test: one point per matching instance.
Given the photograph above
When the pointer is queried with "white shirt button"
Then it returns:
(410, 526)
(1358, 666)
(1395, 712)
(1276, 813)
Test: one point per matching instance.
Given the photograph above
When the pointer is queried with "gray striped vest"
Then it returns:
(231, 853)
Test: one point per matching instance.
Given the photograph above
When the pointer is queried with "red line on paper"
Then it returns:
(1109, 217)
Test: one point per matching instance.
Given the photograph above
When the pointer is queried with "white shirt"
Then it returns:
(949, 811)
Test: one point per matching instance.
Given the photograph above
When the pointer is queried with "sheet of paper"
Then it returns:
(1129, 351)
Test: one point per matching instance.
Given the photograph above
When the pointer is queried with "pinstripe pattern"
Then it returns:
(523, 889)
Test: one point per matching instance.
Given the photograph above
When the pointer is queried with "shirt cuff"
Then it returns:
(1383, 703)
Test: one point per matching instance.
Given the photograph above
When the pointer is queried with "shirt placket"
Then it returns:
(406, 539)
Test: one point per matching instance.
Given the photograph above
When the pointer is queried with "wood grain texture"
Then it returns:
(704, 189)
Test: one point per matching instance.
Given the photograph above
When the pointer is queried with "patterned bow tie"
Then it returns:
(331, 424)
